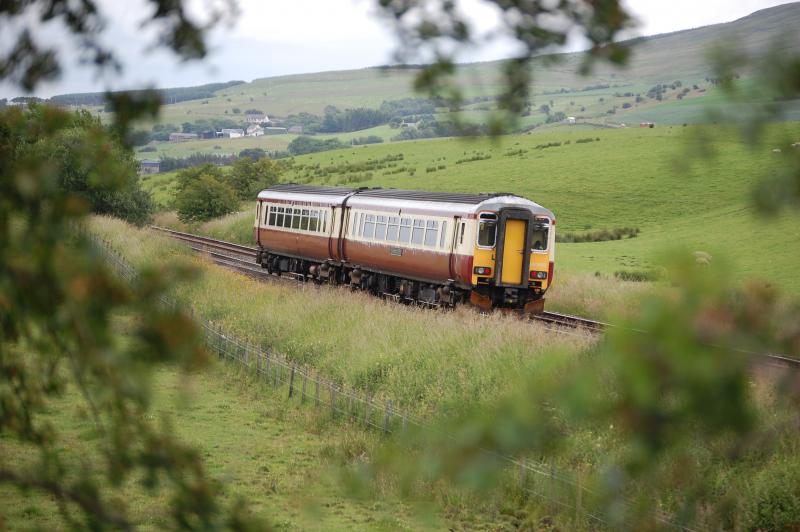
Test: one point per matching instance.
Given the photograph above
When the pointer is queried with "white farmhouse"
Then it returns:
(231, 133)
(255, 117)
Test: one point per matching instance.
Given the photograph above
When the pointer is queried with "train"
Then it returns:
(492, 250)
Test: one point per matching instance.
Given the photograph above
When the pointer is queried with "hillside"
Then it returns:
(683, 53)
(650, 179)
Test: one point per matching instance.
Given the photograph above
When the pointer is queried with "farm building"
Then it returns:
(210, 134)
(182, 137)
(231, 133)
(647, 124)
(275, 130)
(255, 118)
(296, 130)
(149, 166)
(254, 130)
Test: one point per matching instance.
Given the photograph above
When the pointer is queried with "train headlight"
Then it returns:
(482, 270)
(538, 275)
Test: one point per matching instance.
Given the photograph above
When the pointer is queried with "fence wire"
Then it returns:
(559, 487)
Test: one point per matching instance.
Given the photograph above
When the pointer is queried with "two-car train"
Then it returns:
(435, 248)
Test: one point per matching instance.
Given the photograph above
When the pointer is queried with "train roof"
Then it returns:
(364, 197)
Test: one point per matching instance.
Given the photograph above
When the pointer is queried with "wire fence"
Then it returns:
(561, 489)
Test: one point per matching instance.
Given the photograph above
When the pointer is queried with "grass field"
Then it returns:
(255, 446)
(430, 363)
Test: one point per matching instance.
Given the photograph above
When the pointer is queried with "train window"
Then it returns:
(324, 221)
(279, 217)
(461, 240)
(304, 220)
(313, 221)
(431, 232)
(272, 216)
(418, 232)
(287, 219)
(380, 228)
(405, 231)
(369, 226)
(541, 229)
(391, 229)
(487, 230)
(296, 219)
(444, 231)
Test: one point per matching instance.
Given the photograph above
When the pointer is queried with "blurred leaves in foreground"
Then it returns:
(670, 421)
(58, 302)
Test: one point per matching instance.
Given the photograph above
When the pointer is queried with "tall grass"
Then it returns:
(424, 360)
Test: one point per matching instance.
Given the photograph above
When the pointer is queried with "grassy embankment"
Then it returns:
(644, 178)
(430, 363)
(279, 459)
(280, 456)
(424, 361)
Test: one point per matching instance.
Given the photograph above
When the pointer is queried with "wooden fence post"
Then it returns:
(333, 399)
(350, 403)
(267, 373)
(303, 394)
(387, 417)
(367, 405)
(291, 381)
(578, 496)
(317, 385)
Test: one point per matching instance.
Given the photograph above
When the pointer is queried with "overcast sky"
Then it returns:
(298, 36)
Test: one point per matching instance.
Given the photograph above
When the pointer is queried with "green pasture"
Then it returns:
(281, 458)
(653, 179)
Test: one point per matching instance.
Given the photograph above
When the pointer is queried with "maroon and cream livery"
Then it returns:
(437, 248)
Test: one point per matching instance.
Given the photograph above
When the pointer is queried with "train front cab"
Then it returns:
(513, 260)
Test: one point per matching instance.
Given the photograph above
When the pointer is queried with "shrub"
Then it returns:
(600, 235)
(636, 276)
(773, 501)
(248, 177)
(371, 139)
(204, 198)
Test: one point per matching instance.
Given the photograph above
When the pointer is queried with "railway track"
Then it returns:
(242, 259)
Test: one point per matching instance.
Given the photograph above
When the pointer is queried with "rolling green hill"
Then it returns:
(661, 58)
(600, 98)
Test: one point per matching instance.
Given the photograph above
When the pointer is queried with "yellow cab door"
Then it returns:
(514, 251)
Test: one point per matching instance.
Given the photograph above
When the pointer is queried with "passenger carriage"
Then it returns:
(436, 248)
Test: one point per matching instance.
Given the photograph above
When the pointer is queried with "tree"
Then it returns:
(204, 198)
(60, 298)
(248, 177)
(67, 148)
(253, 153)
